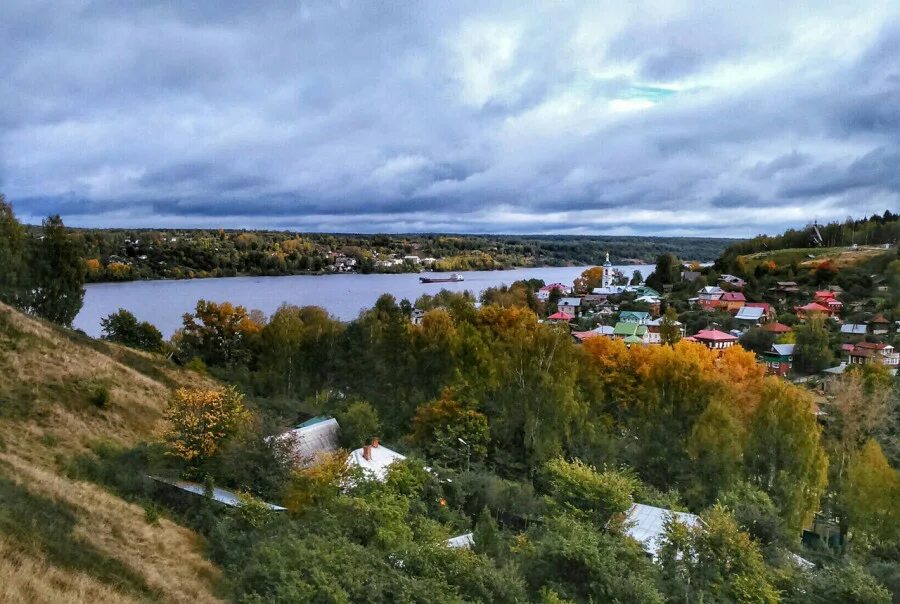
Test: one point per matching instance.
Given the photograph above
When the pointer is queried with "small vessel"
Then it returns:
(454, 278)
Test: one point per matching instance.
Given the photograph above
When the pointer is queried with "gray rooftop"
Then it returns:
(647, 525)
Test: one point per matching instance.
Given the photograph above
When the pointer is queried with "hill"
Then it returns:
(64, 540)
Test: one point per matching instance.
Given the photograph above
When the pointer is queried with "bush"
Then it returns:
(99, 396)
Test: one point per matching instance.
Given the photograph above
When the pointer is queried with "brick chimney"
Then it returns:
(375, 443)
(367, 453)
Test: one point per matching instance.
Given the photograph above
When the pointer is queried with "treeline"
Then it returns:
(874, 230)
(42, 271)
(122, 255)
(538, 445)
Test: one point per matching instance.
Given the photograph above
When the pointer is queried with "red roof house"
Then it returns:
(560, 316)
(713, 338)
(811, 308)
(777, 328)
(732, 301)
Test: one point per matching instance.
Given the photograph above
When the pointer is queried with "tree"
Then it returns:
(755, 513)
(441, 425)
(784, 456)
(715, 562)
(487, 537)
(667, 272)
(58, 284)
(12, 257)
(589, 279)
(757, 340)
(581, 563)
(636, 278)
(218, 333)
(812, 352)
(847, 583)
(201, 420)
(670, 328)
(359, 423)
(124, 328)
(871, 494)
(581, 490)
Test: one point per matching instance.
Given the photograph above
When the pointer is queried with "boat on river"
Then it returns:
(454, 278)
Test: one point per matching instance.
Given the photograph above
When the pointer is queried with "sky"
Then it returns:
(664, 118)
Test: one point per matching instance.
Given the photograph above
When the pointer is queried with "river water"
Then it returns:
(344, 295)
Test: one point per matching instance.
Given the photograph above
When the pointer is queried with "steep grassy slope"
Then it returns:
(63, 540)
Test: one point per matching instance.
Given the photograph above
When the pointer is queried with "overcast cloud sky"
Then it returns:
(669, 118)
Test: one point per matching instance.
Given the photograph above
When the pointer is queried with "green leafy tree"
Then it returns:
(670, 328)
(847, 583)
(871, 495)
(58, 269)
(488, 538)
(784, 456)
(812, 352)
(579, 562)
(359, 423)
(12, 256)
(714, 562)
(580, 489)
(124, 328)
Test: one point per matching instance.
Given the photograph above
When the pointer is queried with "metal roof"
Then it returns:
(856, 329)
(222, 496)
(647, 524)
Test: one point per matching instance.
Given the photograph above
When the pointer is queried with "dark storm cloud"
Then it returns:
(456, 117)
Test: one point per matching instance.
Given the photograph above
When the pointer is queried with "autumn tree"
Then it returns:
(450, 431)
(218, 333)
(201, 420)
(589, 279)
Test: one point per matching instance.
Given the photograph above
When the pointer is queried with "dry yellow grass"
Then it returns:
(45, 416)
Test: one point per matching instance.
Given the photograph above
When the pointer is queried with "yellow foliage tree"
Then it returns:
(589, 279)
(201, 419)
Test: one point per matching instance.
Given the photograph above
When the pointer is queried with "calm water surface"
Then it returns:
(163, 302)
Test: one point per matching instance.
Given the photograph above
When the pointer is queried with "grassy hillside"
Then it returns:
(840, 257)
(63, 540)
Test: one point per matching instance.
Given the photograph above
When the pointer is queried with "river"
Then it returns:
(343, 295)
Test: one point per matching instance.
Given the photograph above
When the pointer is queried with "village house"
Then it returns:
(634, 316)
(543, 294)
(714, 339)
(768, 311)
(829, 300)
(416, 316)
(865, 353)
(312, 439)
(812, 308)
(570, 306)
(653, 303)
(731, 301)
(777, 328)
(708, 297)
(732, 281)
(787, 287)
(690, 276)
(853, 332)
(560, 317)
(374, 459)
(880, 325)
(779, 359)
(750, 315)
(647, 525)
